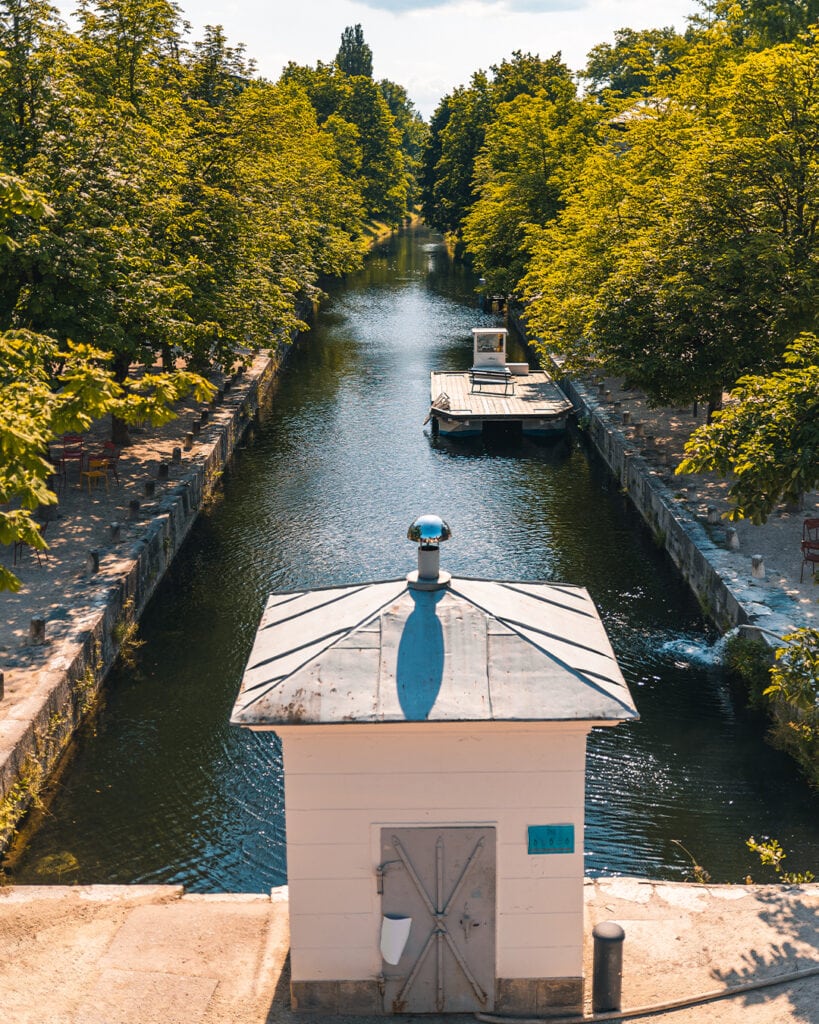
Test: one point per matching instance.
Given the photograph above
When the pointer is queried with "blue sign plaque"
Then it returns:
(551, 838)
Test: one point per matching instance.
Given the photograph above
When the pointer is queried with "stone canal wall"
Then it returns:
(699, 559)
(51, 684)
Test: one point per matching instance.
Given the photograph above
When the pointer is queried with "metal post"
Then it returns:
(608, 966)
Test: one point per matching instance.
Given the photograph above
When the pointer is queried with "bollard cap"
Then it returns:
(608, 931)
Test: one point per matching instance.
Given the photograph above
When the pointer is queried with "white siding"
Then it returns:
(343, 784)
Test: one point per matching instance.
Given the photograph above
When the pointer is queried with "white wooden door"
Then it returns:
(444, 880)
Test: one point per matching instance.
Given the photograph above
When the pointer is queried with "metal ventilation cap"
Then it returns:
(429, 529)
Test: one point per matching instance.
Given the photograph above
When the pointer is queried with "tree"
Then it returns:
(767, 436)
(459, 126)
(686, 257)
(218, 71)
(412, 130)
(383, 175)
(354, 56)
(528, 159)
(128, 47)
(638, 63)
(29, 34)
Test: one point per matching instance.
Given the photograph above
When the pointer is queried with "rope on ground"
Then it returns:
(644, 1011)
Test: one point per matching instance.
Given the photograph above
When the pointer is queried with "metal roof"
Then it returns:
(476, 650)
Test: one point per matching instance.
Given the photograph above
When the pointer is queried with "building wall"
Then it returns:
(342, 784)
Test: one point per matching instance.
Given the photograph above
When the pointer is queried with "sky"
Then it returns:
(428, 46)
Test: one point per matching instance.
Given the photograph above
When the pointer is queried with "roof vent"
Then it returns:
(428, 531)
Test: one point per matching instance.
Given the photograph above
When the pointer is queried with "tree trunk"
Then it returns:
(714, 400)
(119, 428)
(119, 431)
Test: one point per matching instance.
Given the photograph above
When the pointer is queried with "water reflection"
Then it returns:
(166, 791)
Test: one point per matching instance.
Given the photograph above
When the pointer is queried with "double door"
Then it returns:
(443, 880)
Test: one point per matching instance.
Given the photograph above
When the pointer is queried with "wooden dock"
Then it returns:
(461, 409)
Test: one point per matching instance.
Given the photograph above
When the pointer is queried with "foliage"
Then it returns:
(46, 390)
(639, 62)
(528, 160)
(353, 109)
(699, 873)
(767, 437)
(771, 854)
(750, 660)
(459, 125)
(794, 695)
(686, 255)
(354, 56)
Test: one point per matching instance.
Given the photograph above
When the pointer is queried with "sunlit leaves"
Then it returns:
(767, 437)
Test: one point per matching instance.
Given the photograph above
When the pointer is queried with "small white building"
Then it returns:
(434, 740)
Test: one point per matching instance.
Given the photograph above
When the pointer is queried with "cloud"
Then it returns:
(520, 6)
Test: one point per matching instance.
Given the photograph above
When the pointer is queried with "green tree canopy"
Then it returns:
(354, 56)
(459, 126)
(638, 63)
(766, 439)
(528, 160)
(687, 253)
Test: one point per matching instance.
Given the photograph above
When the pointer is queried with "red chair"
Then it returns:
(810, 546)
(73, 452)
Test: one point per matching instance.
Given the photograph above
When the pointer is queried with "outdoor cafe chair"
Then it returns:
(21, 545)
(97, 471)
(810, 546)
(73, 451)
(110, 452)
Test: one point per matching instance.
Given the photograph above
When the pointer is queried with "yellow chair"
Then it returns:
(97, 470)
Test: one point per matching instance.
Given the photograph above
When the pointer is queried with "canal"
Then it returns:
(161, 789)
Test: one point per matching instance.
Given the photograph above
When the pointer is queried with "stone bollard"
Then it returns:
(757, 567)
(204, 416)
(150, 488)
(601, 388)
(226, 386)
(133, 508)
(618, 406)
(196, 426)
(712, 515)
(116, 532)
(162, 471)
(607, 396)
(37, 631)
(240, 371)
(92, 562)
(220, 396)
(607, 970)
(188, 442)
(626, 418)
(176, 456)
(638, 429)
(732, 538)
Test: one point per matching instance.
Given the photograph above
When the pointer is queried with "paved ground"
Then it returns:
(152, 955)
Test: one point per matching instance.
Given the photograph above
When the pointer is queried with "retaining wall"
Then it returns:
(64, 678)
(691, 549)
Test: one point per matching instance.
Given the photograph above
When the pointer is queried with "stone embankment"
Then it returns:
(743, 575)
(108, 549)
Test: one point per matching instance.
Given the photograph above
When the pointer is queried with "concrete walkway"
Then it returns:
(154, 955)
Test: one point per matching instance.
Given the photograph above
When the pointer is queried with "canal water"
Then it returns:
(162, 789)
